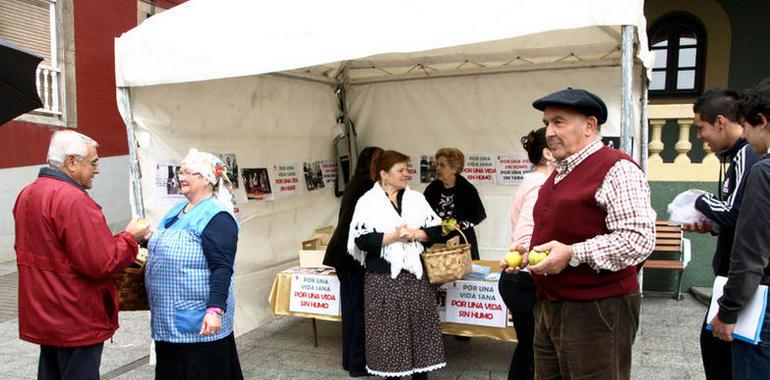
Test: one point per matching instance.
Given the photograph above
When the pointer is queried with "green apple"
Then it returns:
(512, 258)
(535, 257)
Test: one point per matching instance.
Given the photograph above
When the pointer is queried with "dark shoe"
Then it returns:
(358, 373)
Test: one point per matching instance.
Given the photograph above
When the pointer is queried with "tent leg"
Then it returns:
(626, 96)
(315, 334)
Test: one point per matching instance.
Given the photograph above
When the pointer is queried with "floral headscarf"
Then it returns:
(214, 171)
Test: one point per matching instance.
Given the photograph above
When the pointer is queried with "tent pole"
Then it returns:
(134, 173)
(626, 98)
(645, 123)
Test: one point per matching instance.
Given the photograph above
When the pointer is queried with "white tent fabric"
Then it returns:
(212, 39)
(419, 75)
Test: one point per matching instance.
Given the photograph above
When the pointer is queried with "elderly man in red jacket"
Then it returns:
(593, 215)
(66, 255)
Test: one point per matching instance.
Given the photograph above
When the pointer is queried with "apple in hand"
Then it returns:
(535, 257)
(512, 258)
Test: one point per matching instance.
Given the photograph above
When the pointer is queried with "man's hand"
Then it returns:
(139, 229)
(211, 324)
(557, 259)
(721, 330)
(513, 270)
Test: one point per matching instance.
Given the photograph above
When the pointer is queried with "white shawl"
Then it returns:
(375, 213)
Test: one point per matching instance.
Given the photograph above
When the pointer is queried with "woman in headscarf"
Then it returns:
(518, 290)
(389, 225)
(189, 277)
(349, 271)
(455, 200)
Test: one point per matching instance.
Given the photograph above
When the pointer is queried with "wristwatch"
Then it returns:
(573, 261)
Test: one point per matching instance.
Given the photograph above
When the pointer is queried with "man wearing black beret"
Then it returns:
(593, 216)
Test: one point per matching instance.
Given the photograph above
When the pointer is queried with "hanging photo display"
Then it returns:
(427, 168)
(231, 162)
(511, 169)
(480, 169)
(286, 179)
(167, 190)
(329, 172)
(256, 182)
(314, 177)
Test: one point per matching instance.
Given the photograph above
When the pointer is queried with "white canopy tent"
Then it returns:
(260, 80)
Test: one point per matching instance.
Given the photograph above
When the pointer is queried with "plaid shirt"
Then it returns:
(625, 196)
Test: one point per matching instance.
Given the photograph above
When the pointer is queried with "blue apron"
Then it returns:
(177, 277)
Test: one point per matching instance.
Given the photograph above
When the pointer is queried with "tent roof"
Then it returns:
(213, 39)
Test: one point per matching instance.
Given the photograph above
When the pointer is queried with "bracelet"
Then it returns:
(215, 311)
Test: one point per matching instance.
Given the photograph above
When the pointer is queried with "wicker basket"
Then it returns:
(130, 284)
(448, 262)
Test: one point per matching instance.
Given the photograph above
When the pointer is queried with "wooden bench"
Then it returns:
(670, 241)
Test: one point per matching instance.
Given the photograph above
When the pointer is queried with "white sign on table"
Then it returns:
(314, 294)
(475, 303)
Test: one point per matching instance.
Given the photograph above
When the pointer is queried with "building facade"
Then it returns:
(76, 82)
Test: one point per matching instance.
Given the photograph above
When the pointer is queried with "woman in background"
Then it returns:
(349, 271)
(518, 290)
(452, 197)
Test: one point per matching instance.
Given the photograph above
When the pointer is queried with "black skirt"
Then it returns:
(403, 330)
(192, 361)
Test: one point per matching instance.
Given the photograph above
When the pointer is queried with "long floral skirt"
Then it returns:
(403, 330)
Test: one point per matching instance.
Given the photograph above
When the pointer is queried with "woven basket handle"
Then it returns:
(456, 227)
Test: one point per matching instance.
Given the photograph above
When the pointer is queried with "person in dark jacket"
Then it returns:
(452, 197)
(750, 259)
(349, 271)
(717, 125)
(66, 254)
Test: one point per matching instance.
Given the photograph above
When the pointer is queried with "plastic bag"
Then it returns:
(682, 208)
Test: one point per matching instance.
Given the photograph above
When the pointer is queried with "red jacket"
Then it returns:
(66, 254)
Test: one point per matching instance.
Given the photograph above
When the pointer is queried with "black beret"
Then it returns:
(581, 100)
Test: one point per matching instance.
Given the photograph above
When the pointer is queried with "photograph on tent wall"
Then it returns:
(427, 169)
(231, 162)
(611, 142)
(167, 189)
(256, 182)
(314, 178)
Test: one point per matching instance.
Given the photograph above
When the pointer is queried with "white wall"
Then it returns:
(110, 190)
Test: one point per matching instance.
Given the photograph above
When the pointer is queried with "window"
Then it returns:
(678, 41)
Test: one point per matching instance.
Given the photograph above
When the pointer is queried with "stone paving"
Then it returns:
(666, 347)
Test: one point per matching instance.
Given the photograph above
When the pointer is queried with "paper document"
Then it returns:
(749, 323)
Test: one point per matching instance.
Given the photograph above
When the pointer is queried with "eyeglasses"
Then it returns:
(94, 163)
(186, 175)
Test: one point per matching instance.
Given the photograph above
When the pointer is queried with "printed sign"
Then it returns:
(329, 170)
(512, 168)
(480, 169)
(256, 182)
(286, 179)
(314, 294)
(475, 303)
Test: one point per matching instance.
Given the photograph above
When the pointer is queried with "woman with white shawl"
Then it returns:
(390, 224)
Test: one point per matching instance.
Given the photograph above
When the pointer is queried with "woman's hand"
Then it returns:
(211, 324)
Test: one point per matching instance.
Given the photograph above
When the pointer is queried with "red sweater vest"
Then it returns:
(567, 212)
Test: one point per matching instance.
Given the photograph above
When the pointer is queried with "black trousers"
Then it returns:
(76, 363)
(518, 292)
(352, 307)
(717, 355)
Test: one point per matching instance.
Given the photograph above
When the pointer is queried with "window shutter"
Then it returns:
(27, 23)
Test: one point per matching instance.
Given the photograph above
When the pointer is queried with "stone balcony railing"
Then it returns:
(47, 79)
(683, 167)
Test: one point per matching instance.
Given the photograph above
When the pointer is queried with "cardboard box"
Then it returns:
(324, 234)
(311, 253)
